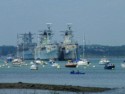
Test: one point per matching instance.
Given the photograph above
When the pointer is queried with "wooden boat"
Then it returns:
(71, 64)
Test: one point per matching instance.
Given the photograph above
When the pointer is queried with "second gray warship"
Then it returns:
(45, 48)
(68, 48)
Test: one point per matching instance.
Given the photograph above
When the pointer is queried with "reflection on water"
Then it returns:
(30, 91)
(34, 91)
(115, 91)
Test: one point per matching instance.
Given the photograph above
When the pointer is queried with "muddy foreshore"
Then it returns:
(21, 85)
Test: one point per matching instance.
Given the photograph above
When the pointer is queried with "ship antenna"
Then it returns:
(69, 25)
(17, 53)
(49, 25)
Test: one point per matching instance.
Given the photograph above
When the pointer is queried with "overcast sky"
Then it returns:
(102, 21)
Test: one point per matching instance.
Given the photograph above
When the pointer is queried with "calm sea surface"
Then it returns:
(95, 76)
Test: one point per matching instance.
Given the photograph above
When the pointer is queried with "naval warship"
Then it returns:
(25, 46)
(68, 49)
(46, 49)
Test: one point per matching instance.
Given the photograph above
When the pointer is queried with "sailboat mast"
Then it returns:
(23, 51)
(17, 53)
(84, 43)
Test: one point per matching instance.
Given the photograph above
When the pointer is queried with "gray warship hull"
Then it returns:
(27, 55)
(44, 54)
(68, 52)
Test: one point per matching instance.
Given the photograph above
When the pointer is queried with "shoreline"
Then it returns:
(21, 85)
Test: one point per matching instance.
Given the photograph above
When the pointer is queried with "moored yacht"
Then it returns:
(71, 64)
(34, 67)
(17, 61)
(83, 62)
(123, 64)
(104, 61)
(109, 66)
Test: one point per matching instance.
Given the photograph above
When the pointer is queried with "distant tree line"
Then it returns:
(100, 50)
(6, 50)
(89, 50)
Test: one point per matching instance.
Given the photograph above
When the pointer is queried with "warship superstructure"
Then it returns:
(68, 48)
(46, 49)
(25, 46)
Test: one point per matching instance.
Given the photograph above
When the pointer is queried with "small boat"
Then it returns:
(17, 61)
(32, 62)
(77, 72)
(52, 60)
(109, 66)
(9, 59)
(104, 61)
(83, 62)
(53, 63)
(40, 62)
(71, 64)
(34, 67)
(123, 65)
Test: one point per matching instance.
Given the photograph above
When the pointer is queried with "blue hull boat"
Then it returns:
(109, 66)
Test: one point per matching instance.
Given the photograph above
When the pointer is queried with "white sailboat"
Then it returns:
(34, 67)
(123, 64)
(40, 62)
(104, 61)
(83, 61)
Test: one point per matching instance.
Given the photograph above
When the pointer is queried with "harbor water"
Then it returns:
(95, 76)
